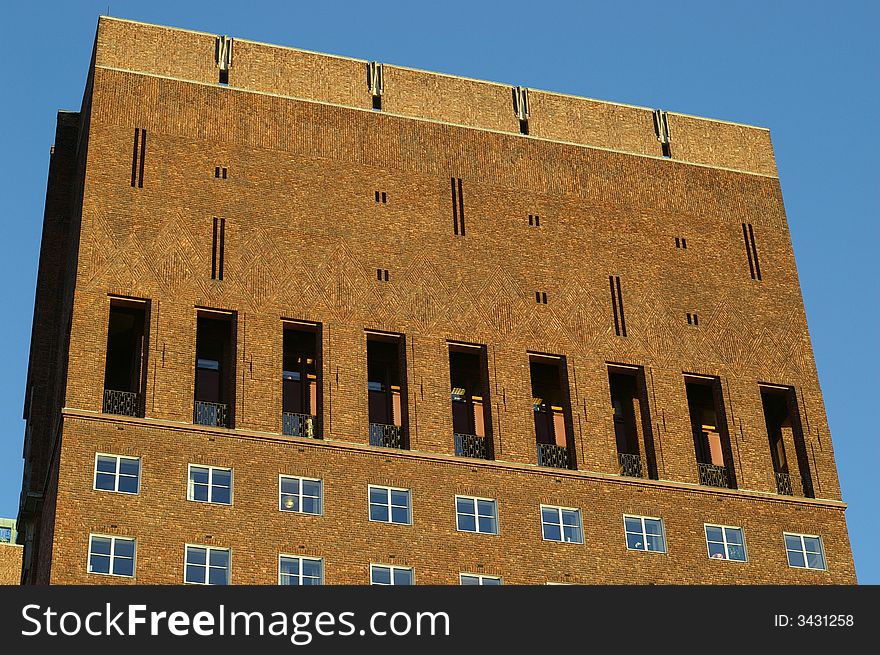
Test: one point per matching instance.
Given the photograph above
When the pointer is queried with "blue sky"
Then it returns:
(807, 70)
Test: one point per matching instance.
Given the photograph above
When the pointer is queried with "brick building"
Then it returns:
(304, 318)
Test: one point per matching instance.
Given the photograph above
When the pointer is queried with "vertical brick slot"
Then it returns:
(614, 305)
(617, 306)
(748, 250)
(134, 156)
(214, 252)
(457, 206)
(754, 252)
(460, 207)
(222, 248)
(143, 158)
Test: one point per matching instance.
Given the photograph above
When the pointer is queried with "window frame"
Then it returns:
(389, 505)
(320, 512)
(803, 551)
(392, 568)
(186, 548)
(724, 529)
(559, 509)
(480, 577)
(190, 485)
(281, 556)
(113, 539)
(477, 515)
(645, 534)
(117, 474)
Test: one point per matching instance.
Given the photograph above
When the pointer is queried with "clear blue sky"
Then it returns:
(807, 70)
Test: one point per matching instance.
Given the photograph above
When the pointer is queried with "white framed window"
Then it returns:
(383, 574)
(390, 505)
(725, 542)
(117, 473)
(109, 555)
(206, 565)
(561, 524)
(209, 484)
(644, 533)
(467, 579)
(805, 551)
(302, 495)
(295, 570)
(476, 515)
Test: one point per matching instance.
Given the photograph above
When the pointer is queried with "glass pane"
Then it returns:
(105, 482)
(378, 513)
(312, 568)
(634, 541)
(195, 555)
(655, 543)
(815, 561)
(311, 505)
(195, 574)
(811, 545)
(399, 515)
(737, 553)
(549, 515)
(632, 524)
(218, 576)
(219, 557)
(99, 564)
(464, 505)
(100, 545)
(552, 532)
(380, 575)
(200, 492)
(106, 464)
(400, 498)
(653, 527)
(222, 495)
(467, 522)
(486, 508)
(198, 474)
(124, 548)
(378, 495)
(571, 518)
(488, 525)
(129, 466)
(716, 550)
(289, 503)
(123, 566)
(571, 534)
(289, 566)
(128, 484)
(222, 478)
(288, 580)
(470, 580)
(796, 558)
(734, 536)
(403, 577)
(491, 581)
(714, 534)
(311, 581)
(290, 486)
(311, 488)
(792, 542)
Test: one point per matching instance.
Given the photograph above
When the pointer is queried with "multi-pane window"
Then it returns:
(302, 495)
(210, 484)
(5, 535)
(117, 473)
(476, 515)
(725, 542)
(390, 505)
(111, 555)
(381, 574)
(562, 524)
(643, 533)
(804, 551)
(206, 565)
(473, 579)
(293, 570)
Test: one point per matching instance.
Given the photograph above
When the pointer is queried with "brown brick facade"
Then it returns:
(304, 238)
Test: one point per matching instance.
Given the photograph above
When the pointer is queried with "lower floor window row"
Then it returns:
(210, 565)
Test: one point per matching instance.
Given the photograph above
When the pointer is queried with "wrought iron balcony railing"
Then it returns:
(713, 476)
(387, 436)
(300, 425)
(127, 403)
(788, 484)
(215, 414)
(552, 455)
(631, 465)
(470, 445)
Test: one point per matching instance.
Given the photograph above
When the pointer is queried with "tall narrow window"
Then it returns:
(709, 426)
(301, 381)
(125, 370)
(471, 421)
(215, 369)
(386, 390)
(788, 451)
(632, 422)
(552, 410)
